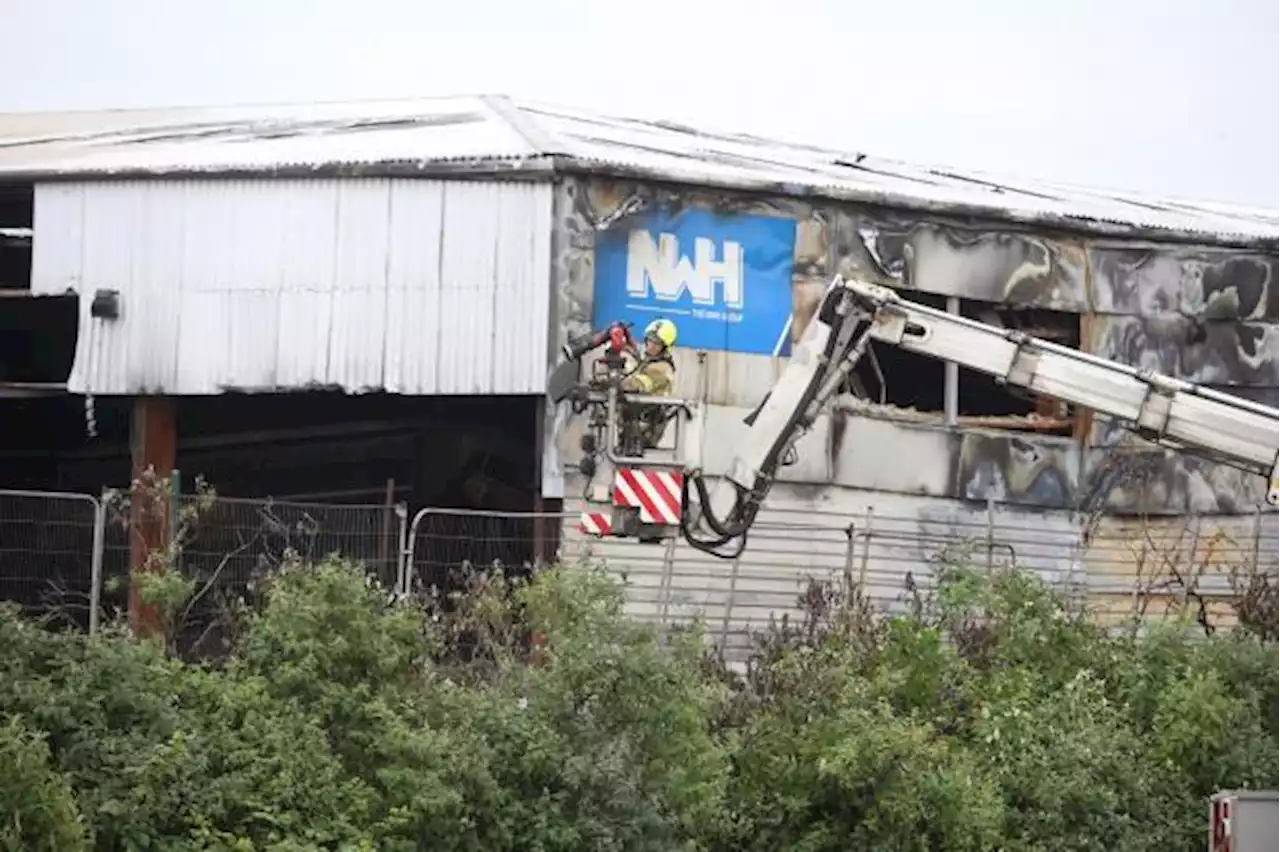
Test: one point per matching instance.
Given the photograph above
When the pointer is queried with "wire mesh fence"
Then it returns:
(53, 545)
(241, 536)
(444, 541)
(890, 558)
(228, 545)
(50, 552)
(1115, 569)
(235, 542)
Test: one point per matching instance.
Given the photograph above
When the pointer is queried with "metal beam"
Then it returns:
(31, 390)
(951, 377)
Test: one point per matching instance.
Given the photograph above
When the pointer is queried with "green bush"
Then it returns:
(39, 809)
(991, 717)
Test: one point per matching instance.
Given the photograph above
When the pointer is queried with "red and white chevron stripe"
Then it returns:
(595, 523)
(656, 493)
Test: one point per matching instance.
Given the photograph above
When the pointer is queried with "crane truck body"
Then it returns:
(652, 492)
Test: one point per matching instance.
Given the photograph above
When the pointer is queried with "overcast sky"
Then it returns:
(1170, 97)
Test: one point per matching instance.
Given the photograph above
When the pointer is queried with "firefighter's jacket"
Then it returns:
(652, 377)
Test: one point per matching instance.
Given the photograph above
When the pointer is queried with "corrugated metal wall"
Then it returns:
(1123, 567)
(408, 286)
(800, 534)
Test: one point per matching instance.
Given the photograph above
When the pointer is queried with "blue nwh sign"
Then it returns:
(724, 279)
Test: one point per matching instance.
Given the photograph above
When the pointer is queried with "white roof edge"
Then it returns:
(237, 108)
(515, 135)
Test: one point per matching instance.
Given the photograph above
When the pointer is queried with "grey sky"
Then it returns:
(1170, 97)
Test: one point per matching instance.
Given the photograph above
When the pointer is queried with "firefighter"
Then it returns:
(653, 375)
(654, 372)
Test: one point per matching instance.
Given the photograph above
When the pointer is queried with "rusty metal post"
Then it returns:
(153, 447)
(172, 513)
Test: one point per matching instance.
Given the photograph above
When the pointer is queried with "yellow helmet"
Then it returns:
(663, 330)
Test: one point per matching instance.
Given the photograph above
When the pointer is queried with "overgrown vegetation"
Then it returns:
(991, 717)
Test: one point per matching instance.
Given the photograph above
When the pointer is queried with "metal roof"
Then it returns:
(486, 134)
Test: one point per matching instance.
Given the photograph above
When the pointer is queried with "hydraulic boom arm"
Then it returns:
(1170, 412)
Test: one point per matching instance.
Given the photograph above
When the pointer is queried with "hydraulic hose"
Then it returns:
(746, 504)
(709, 546)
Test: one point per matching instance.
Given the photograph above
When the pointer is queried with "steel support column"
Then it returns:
(153, 447)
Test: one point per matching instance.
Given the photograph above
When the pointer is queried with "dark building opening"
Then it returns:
(17, 215)
(47, 542)
(37, 332)
(905, 380)
(334, 467)
(457, 452)
(983, 396)
(37, 338)
(913, 386)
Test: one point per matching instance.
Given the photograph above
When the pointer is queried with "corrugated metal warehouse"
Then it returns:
(326, 297)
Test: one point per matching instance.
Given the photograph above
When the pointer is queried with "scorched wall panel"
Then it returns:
(409, 286)
(1200, 312)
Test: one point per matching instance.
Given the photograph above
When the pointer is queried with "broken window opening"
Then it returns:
(914, 387)
(37, 338)
(17, 215)
(37, 332)
(983, 396)
(905, 380)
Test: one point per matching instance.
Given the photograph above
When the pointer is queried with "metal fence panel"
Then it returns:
(51, 554)
(670, 583)
(894, 559)
(61, 553)
(442, 541)
(243, 535)
(230, 543)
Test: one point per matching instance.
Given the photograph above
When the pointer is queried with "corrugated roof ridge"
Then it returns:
(1021, 184)
(541, 135)
(540, 139)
